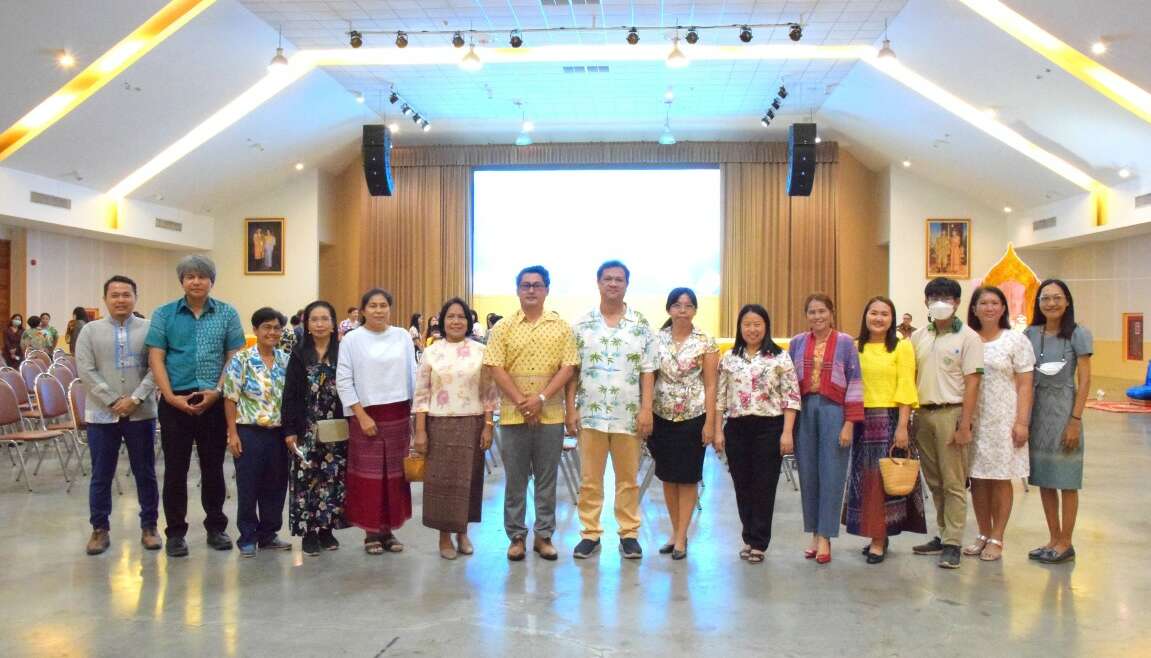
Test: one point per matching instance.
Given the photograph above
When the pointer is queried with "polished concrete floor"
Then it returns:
(55, 601)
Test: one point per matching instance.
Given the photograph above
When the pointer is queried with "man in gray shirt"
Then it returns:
(120, 407)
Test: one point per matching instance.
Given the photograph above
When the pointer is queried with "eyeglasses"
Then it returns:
(533, 285)
(1054, 299)
(682, 307)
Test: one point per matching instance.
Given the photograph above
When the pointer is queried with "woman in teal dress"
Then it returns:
(1062, 379)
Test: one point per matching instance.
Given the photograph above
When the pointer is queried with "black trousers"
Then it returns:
(178, 433)
(753, 457)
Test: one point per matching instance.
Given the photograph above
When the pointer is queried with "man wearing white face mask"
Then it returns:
(949, 360)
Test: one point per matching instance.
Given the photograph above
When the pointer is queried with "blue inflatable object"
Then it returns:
(1142, 392)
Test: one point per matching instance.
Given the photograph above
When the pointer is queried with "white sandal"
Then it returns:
(977, 547)
(988, 557)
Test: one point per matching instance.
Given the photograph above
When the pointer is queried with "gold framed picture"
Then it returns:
(264, 245)
(948, 248)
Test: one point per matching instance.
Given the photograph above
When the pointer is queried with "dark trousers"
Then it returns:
(754, 459)
(261, 483)
(209, 433)
(104, 441)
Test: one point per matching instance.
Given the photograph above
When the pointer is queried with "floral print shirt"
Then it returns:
(611, 362)
(763, 385)
(256, 389)
(451, 381)
(679, 392)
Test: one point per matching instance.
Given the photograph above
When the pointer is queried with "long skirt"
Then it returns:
(454, 473)
(379, 497)
(318, 488)
(869, 511)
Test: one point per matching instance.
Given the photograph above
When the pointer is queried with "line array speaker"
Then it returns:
(800, 159)
(377, 152)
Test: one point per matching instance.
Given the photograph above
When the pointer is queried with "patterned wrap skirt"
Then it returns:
(318, 486)
(379, 498)
(868, 510)
(453, 473)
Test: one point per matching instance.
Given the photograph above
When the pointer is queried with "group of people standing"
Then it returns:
(333, 420)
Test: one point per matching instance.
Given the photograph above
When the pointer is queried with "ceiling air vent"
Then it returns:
(567, 3)
(1047, 222)
(169, 225)
(49, 200)
(1143, 200)
(586, 69)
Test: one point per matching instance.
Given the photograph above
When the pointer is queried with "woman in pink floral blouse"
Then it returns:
(683, 410)
(453, 404)
(759, 394)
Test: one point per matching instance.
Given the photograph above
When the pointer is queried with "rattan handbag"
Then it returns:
(414, 467)
(899, 473)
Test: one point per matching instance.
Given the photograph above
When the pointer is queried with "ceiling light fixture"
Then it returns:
(393, 127)
(1124, 173)
(471, 61)
(632, 36)
(775, 104)
(818, 139)
(782, 93)
(523, 139)
(669, 95)
(515, 40)
(406, 110)
(65, 59)
(692, 37)
(667, 138)
(745, 34)
(765, 122)
(458, 40)
(279, 62)
(1007, 209)
(906, 164)
(425, 125)
(401, 39)
(771, 114)
(416, 118)
(795, 32)
(676, 59)
(359, 97)
(1099, 47)
(886, 52)
(299, 166)
(393, 98)
(355, 39)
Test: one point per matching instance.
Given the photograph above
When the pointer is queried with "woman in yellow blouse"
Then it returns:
(889, 394)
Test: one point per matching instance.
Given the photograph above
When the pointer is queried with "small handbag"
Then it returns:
(331, 430)
(414, 467)
(899, 473)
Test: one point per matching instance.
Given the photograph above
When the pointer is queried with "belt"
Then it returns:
(933, 407)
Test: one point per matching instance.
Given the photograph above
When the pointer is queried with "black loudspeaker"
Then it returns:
(377, 152)
(800, 159)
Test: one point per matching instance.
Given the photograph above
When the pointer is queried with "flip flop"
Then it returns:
(373, 547)
(992, 552)
(392, 545)
(754, 556)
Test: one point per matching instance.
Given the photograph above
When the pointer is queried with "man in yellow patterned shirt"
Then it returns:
(531, 355)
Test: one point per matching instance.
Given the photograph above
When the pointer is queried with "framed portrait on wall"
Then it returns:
(264, 245)
(1133, 336)
(948, 248)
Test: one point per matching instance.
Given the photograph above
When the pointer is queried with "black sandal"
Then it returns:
(391, 544)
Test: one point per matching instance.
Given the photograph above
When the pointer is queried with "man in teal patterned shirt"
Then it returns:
(609, 406)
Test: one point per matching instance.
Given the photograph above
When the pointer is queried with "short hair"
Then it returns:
(367, 297)
(943, 287)
(973, 319)
(120, 278)
(267, 314)
(768, 346)
(1067, 323)
(535, 269)
(33, 321)
(80, 313)
(45, 313)
(296, 320)
(608, 264)
(822, 298)
(468, 332)
(352, 308)
(196, 264)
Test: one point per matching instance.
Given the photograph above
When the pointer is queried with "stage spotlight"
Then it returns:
(765, 122)
(692, 36)
(458, 40)
(782, 91)
(416, 118)
(393, 98)
(633, 36)
(771, 114)
(775, 104)
(427, 126)
(406, 110)
(401, 39)
(355, 39)
(359, 95)
(516, 40)
(796, 32)
(745, 34)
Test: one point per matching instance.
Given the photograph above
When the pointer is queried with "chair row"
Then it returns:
(49, 412)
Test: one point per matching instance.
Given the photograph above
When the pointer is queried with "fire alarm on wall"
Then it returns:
(33, 261)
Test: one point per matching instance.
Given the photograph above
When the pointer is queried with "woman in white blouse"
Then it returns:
(454, 403)
(375, 379)
(759, 395)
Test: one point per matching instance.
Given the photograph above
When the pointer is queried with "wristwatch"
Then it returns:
(135, 400)
(543, 398)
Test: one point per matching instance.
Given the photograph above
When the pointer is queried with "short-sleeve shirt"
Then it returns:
(531, 353)
(943, 359)
(195, 347)
(611, 362)
(679, 391)
(256, 389)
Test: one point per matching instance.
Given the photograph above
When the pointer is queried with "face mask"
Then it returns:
(16, 323)
(941, 310)
(1051, 368)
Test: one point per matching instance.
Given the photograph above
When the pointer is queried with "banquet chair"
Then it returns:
(15, 436)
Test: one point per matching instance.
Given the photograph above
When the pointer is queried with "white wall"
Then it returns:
(299, 204)
(912, 201)
(1077, 217)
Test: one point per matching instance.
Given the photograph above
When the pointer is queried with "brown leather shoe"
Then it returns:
(98, 542)
(543, 546)
(151, 539)
(517, 551)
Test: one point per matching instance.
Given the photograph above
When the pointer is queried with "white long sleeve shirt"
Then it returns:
(375, 367)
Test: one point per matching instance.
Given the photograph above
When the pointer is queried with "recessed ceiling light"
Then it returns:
(818, 139)
(991, 112)
(65, 59)
(1124, 173)
(1007, 209)
(393, 127)
(299, 166)
(906, 163)
(1099, 47)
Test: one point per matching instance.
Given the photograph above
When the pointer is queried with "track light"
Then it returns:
(765, 122)
(775, 104)
(426, 126)
(471, 61)
(355, 39)
(359, 97)
(692, 36)
(393, 98)
(516, 40)
(632, 36)
(406, 110)
(782, 91)
(795, 32)
(416, 118)
(676, 59)
(401, 39)
(458, 40)
(771, 114)
(745, 34)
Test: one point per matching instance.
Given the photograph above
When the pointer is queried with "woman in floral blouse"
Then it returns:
(316, 506)
(683, 409)
(453, 403)
(759, 394)
(253, 388)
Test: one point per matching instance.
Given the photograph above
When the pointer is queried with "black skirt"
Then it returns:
(678, 450)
